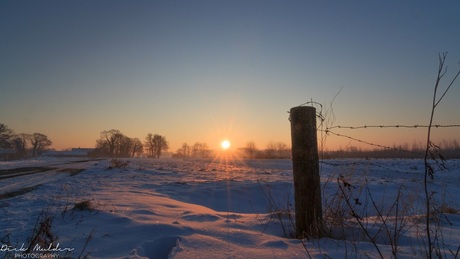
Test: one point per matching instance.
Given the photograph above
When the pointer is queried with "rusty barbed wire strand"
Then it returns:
(327, 129)
(393, 126)
(312, 103)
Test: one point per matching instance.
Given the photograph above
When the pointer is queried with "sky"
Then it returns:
(203, 71)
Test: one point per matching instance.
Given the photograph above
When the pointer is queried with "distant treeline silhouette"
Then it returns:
(273, 150)
(448, 149)
(22, 145)
(113, 143)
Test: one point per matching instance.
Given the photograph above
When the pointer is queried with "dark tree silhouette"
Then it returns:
(136, 147)
(113, 143)
(200, 150)
(155, 144)
(39, 143)
(6, 135)
(110, 142)
(251, 149)
(20, 144)
(184, 151)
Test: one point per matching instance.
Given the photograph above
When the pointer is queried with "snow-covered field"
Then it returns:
(175, 208)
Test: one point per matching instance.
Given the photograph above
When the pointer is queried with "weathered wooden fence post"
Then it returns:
(307, 186)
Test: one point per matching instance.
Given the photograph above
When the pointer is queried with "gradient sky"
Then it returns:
(207, 70)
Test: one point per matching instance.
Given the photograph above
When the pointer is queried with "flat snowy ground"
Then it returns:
(175, 208)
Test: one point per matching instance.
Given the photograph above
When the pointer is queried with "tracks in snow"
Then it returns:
(21, 180)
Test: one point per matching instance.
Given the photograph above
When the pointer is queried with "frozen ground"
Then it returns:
(222, 209)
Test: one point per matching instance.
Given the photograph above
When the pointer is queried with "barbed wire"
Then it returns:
(329, 132)
(394, 126)
(312, 103)
(326, 129)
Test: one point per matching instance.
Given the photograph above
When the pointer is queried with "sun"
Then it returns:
(225, 144)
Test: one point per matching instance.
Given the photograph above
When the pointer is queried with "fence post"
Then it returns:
(307, 186)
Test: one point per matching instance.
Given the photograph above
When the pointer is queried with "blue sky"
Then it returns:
(207, 70)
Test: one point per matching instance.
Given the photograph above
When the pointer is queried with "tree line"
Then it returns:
(199, 149)
(113, 143)
(21, 145)
(448, 150)
(273, 150)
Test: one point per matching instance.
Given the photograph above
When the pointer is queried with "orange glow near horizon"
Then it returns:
(228, 160)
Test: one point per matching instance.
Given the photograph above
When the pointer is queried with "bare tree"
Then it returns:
(430, 151)
(277, 150)
(115, 144)
(149, 145)
(40, 143)
(110, 142)
(102, 147)
(282, 150)
(6, 135)
(136, 147)
(251, 149)
(184, 151)
(156, 144)
(20, 144)
(125, 146)
(270, 150)
(200, 150)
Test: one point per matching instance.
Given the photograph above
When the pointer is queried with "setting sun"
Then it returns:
(225, 144)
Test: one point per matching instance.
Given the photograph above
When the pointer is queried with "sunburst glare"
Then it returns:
(225, 144)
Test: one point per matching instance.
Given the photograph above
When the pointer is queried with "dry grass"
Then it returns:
(84, 205)
(117, 163)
